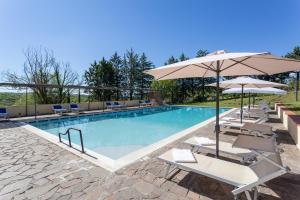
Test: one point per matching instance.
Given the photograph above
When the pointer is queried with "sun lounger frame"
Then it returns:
(239, 189)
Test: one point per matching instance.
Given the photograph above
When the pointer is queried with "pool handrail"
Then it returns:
(69, 138)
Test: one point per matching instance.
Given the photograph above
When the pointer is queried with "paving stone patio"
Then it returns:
(33, 168)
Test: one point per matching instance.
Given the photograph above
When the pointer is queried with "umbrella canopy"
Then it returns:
(221, 63)
(244, 82)
(247, 82)
(227, 64)
(266, 90)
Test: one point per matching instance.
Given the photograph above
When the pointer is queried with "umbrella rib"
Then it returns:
(205, 73)
(236, 62)
(206, 67)
(250, 67)
(178, 70)
(210, 66)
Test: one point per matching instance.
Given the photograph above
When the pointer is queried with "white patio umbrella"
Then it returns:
(266, 90)
(246, 82)
(221, 63)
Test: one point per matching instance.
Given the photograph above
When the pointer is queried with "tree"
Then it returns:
(171, 60)
(201, 53)
(295, 54)
(120, 78)
(131, 62)
(92, 78)
(183, 57)
(40, 68)
(101, 74)
(63, 76)
(144, 80)
(202, 81)
(183, 83)
(167, 88)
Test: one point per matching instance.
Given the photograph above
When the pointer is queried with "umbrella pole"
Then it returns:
(297, 85)
(249, 101)
(217, 126)
(242, 102)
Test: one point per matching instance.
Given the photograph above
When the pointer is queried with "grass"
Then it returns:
(288, 99)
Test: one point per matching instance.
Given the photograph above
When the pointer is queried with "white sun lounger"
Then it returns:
(252, 113)
(254, 127)
(234, 119)
(225, 149)
(245, 179)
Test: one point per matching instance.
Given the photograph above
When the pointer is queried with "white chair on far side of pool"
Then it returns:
(3, 113)
(114, 105)
(145, 103)
(58, 109)
(74, 108)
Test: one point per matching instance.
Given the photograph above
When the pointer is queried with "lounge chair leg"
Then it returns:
(255, 195)
(248, 196)
(167, 170)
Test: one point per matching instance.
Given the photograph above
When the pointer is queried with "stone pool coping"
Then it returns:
(114, 165)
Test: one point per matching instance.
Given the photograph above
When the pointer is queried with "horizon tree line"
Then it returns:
(118, 71)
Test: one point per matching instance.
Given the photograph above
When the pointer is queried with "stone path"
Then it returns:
(33, 168)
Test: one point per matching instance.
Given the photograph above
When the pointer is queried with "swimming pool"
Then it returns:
(117, 134)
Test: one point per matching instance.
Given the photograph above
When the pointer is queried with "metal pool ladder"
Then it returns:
(69, 138)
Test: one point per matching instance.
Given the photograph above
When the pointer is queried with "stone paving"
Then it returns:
(33, 168)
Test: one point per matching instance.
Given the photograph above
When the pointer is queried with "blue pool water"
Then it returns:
(119, 133)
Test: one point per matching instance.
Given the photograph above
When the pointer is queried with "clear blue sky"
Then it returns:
(80, 32)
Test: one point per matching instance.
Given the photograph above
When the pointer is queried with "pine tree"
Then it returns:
(183, 83)
(144, 79)
(202, 81)
(101, 75)
(171, 60)
(201, 53)
(132, 64)
(92, 78)
(119, 78)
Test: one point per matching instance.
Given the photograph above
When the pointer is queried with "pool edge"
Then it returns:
(114, 165)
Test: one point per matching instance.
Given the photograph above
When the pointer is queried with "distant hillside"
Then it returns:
(17, 99)
(8, 99)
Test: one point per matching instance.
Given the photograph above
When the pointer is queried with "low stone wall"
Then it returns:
(290, 120)
(44, 109)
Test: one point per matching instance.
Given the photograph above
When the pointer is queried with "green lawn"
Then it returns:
(288, 99)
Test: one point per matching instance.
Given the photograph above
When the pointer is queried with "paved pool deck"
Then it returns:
(34, 168)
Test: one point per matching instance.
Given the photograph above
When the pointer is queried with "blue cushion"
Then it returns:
(2, 110)
(116, 103)
(73, 105)
(57, 107)
(108, 103)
